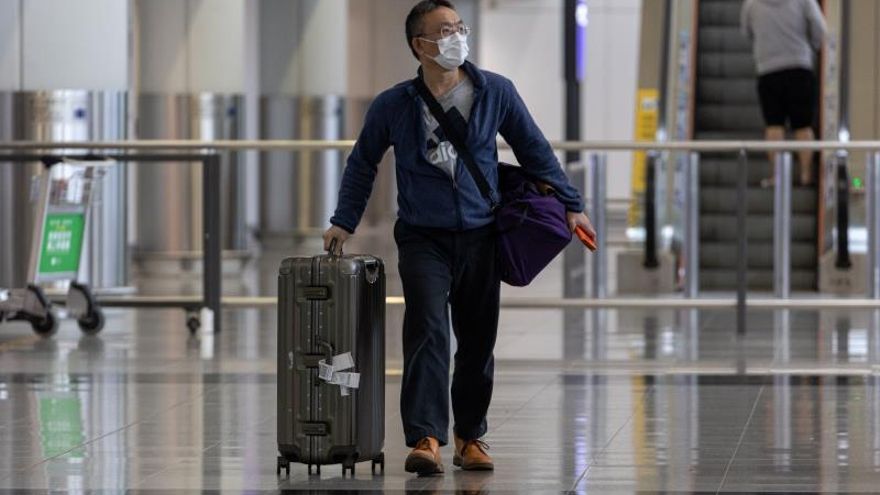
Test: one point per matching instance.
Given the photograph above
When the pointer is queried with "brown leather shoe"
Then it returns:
(471, 455)
(425, 458)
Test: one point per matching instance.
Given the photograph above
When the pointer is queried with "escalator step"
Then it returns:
(722, 228)
(729, 90)
(720, 12)
(718, 172)
(726, 39)
(723, 255)
(722, 118)
(726, 65)
(760, 201)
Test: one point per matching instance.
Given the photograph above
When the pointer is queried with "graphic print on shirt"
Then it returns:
(457, 104)
(441, 153)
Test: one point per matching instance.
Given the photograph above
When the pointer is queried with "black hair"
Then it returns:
(414, 23)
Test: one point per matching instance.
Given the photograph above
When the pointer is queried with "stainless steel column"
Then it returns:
(108, 252)
(220, 116)
(16, 222)
(873, 216)
(169, 208)
(782, 226)
(168, 203)
(14, 206)
(299, 188)
(692, 227)
(65, 115)
(598, 259)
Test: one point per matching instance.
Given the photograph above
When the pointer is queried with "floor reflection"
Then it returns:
(621, 402)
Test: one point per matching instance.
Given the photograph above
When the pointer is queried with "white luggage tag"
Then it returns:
(325, 371)
(343, 362)
(334, 373)
(348, 380)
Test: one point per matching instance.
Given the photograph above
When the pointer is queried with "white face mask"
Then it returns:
(453, 50)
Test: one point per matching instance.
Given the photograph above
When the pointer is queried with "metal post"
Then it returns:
(650, 260)
(692, 227)
(874, 339)
(742, 265)
(782, 226)
(599, 259)
(574, 258)
(842, 260)
(873, 215)
(212, 279)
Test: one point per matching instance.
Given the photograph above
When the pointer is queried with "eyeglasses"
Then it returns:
(449, 29)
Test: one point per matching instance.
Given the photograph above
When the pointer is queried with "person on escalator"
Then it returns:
(785, 37)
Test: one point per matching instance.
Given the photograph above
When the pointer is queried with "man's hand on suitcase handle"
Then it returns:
(339, 235)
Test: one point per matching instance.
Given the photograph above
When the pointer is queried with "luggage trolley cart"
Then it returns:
(64, 195)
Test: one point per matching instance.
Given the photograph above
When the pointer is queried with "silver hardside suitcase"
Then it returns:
(331, 362)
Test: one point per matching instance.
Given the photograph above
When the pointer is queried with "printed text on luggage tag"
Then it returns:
(334, 373)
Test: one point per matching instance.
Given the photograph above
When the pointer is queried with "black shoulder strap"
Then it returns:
(456, 139)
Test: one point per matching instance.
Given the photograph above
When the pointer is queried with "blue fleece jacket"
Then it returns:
(427, 196)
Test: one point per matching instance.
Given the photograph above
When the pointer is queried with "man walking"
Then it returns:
(786, 34)
(445, 232)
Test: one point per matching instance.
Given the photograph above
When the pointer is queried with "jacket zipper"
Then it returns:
(456, 199)
(470, 123)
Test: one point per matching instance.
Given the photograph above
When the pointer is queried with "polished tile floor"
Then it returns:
(632, 403)
(608, 401)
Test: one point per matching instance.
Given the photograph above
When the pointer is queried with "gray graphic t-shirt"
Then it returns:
(457, 104)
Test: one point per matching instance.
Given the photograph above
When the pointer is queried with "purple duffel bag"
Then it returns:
(532, 227)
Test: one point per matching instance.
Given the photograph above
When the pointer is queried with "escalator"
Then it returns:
(727, 108)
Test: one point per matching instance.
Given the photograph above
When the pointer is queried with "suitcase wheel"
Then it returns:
(283, 463)
(193, 322)
(379, 460)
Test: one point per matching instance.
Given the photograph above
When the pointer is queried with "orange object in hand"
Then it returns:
(586, 238)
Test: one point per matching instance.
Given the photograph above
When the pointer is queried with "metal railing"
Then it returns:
(120, 150)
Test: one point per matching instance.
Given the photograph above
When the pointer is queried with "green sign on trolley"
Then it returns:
(62, 243)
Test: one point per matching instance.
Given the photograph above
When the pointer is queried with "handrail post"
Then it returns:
(599, 259)
(782, 226)
(742, 265)
(873, 214)
(212, 277)
(650, 260)
(842, 260)
(692, 227)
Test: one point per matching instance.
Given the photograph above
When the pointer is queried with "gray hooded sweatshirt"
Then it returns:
(785, 34)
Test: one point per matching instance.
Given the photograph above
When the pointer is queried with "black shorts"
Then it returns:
(788, 96)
